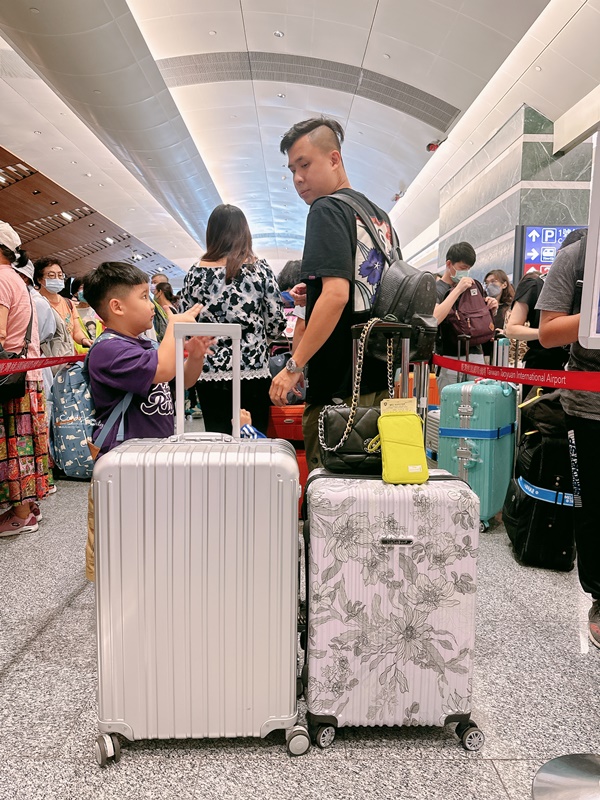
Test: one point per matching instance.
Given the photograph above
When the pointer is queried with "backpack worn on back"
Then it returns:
(576, 307)
(404, 294)
(73, 418)
(471, 316)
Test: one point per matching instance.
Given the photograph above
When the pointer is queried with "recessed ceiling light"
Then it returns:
(100, 184)
(97, 91)
(103, 231)
(66, 215)
(538, 69)
(360, 133)
(284, 177)
(87, 174)
(36, 191)
(53, 202)
(470, 142)
(91, 224)
(38, 133)
(73, 162)
(212, 33)
(109, 240)
(34, 10)
(386, 55)
(57, 148)
(233, 116)
(280, 94)
(279, 34)
(132, 209)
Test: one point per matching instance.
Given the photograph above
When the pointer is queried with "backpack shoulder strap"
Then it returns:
(578, 293)
(118, 413)
(365, 218)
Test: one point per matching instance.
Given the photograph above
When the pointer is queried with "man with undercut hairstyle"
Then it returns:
(341, 268)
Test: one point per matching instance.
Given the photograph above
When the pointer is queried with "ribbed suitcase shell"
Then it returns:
(432, 430)
(391, 600)
(486, 464)
(196, 588)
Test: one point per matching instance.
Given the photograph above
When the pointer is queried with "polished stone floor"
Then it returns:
(535, 695)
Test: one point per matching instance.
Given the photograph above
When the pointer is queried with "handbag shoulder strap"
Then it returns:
(27, 340)
(365, 218)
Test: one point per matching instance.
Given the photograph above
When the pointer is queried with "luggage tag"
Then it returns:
(391, 405)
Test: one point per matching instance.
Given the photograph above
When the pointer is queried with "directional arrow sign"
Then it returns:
(533, 254)
(534, 235)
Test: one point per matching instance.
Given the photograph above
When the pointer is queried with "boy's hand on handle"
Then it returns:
(199, 346)
(245, 418)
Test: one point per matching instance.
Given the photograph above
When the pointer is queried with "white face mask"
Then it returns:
(55, 285)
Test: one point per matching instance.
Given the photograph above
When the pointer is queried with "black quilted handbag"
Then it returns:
(346, 431)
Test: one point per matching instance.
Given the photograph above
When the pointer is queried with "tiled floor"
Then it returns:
(535, 695)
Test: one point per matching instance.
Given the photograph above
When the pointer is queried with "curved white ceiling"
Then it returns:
(369, 64)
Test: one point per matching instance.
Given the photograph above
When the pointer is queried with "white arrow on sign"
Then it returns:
(533, 254)
(533, 235)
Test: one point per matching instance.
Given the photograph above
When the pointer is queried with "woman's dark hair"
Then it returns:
(17, 257)
(167, 290)
(289, 275)
(228, 236)
(40, 265)
(76, 285)
(509, 292)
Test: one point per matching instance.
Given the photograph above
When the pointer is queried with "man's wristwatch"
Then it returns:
(291, 366)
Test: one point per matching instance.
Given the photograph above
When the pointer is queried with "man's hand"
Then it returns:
(492, 304)
(283, 383)
(298, 292)
(464, 284)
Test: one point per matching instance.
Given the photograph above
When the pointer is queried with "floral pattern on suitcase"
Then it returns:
(375, 639)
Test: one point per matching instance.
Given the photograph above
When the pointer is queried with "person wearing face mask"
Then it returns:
(455, 280)
(49, 276)
(497, 285)
(87, 319)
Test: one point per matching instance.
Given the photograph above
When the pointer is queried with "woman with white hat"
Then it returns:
(23, 427)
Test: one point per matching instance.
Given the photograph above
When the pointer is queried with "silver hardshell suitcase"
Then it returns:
(197, 585)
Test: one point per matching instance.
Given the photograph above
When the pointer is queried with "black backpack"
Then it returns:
(405, 294)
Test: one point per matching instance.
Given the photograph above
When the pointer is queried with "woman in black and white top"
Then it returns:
(234, 286)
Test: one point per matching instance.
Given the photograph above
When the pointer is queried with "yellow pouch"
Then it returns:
(402, 448)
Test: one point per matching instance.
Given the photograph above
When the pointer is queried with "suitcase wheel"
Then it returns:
(484, 526)
(324, 736)
(107, 747)
(299, 686)
(297, 740)
(470, 736)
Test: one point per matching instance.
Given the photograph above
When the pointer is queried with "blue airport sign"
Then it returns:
(541, 244)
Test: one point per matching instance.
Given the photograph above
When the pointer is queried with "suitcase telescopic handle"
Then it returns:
(181, 330)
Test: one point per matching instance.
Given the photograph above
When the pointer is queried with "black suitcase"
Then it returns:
(538, 510)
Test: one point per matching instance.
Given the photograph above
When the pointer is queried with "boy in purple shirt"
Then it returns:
(118, 293)
(124, 363)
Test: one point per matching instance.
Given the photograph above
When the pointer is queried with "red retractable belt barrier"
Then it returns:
(554, 378)
(10, 365)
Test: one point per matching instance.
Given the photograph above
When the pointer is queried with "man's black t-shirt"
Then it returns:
(338, 246)
(537, 357)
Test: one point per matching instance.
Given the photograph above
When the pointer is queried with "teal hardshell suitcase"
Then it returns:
(477, 439)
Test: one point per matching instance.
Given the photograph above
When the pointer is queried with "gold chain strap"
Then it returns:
(356, 387)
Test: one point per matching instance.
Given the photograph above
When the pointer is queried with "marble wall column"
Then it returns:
(513, 180)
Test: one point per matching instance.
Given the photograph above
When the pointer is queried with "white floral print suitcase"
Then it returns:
(391, 586)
